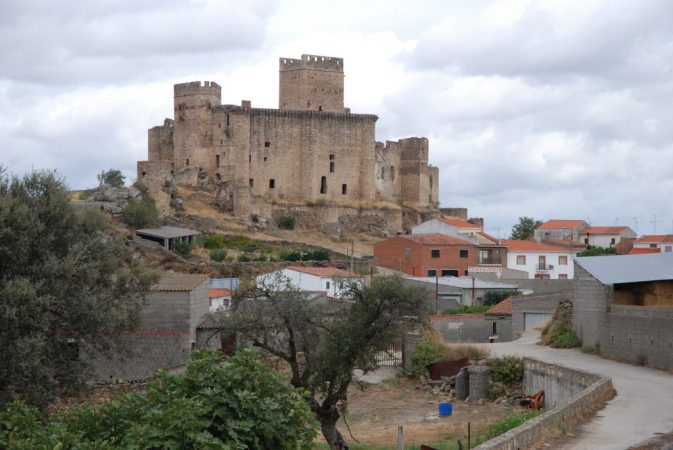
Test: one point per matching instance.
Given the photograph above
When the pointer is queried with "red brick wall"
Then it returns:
(390, 254)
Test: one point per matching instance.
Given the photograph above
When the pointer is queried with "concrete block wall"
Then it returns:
(590, 307)
(573, 408)
(533, 304)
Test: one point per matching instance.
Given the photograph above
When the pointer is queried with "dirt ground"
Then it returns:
(375, 413)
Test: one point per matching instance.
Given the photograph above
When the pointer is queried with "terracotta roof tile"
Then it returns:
(457, 317)
(641, 251)
(435, 239)
(488, 236)
(604, 230)
(564, 243)
(179, 282)
(324, 271)
(655, 238)
(502, 308)
(556, 224)
(459, 223)
(532, 246)
(218, 292)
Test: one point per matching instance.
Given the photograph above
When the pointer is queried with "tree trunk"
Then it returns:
(333, 437)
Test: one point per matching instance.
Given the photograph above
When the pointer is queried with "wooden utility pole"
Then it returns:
(436, 294)
(352, 250)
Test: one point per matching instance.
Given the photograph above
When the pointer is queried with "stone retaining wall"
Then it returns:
(571, 407)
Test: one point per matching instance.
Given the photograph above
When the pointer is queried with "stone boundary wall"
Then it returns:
(597, 390)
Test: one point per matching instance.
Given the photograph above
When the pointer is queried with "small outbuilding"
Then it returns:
(168, 236)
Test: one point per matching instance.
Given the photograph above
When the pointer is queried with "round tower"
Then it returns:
(193, 132)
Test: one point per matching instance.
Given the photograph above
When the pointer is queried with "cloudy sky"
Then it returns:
(550, 109)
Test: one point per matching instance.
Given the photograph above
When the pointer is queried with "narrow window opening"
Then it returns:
(221, 141)
(219, 125)
(218, 176)
(251, 182)
(319, 108)
(331, 157)
(392, 172)
(227, 119)
(272, 183)
(187, 162)
(331, 166)
(265, 159)
(344, 189)
(249, 158)
(327, 285)
(144, 173)
(267, 144)
(217, 160)
(323, 185)
(495, 328)
(383, 173)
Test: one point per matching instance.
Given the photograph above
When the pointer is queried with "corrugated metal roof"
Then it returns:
(628, 268)
(179, 282)
(464, 282)
(167, 232)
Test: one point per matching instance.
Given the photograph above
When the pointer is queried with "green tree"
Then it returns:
(140, 214)
(525, 228)
(598, 251)
(63, 284)
(220, 403)
(322, 346)
(112, 177)
(496, 296)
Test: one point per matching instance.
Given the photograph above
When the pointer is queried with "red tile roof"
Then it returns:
(434, 239)
(457, 317)
(324, 271)
(555, 224)
(488, 236)
(604, 230)
(502, 308)
(564, 243)
(459, 223)
(640, 251)
(218, 292)
(655, 238)
(532, 246)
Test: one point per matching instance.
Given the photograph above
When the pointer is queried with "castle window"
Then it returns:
(187, 162)
(267, 144)
(144, 173)
(323, 185)
(331, 166)
(392, 172)
(218, 176)
(217, 160)
(227, 119)
(251, 182)
(430, 181)
(265, 159)
(344, 189)
(319, 108)
(272, 183)
(331, 156)
(383, 173)
(219, 125)
(249, 158)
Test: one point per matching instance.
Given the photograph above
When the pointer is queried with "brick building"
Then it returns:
(310, 150)
(426, 255)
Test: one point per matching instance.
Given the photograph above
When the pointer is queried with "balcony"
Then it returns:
(542, 266)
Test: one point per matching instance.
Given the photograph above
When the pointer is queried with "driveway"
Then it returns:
(643, 405)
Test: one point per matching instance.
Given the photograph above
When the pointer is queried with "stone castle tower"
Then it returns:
(311, 151)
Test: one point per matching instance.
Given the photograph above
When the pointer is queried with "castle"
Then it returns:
(311, 158)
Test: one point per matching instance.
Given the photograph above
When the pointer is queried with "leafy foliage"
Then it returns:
(63, 285)
(430, 350)
(305, 255)
(112, 177)
(220, 403)
(286, 222)
(323, 344)
(559, 334)
(467, 309)
(182, 248)
(524, 228)
(140, 214)
(506, 369)
(496, 296)
(218, 254)
(598, 251)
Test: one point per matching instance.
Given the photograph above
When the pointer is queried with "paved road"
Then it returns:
(643, 405)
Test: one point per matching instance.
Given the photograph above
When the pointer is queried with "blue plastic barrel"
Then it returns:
(445, 409)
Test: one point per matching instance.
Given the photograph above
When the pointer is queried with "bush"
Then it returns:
(467, 309)
(305, 255)
(558, 334)
(234, 403)
(141, 214)
(431, 350)
(212, 241)
(218, 254)
(495, 297)
(506, 369)
(112, 177)
(182, 248)
(243, 258)
(286, 222)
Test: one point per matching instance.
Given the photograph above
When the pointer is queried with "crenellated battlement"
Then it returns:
(312, 62)
(197, 88)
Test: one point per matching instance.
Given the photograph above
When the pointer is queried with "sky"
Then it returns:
(548, 109)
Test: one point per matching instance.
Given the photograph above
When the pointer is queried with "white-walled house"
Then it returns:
(331, 280)
(540, 260)
(458, 228)
(605, 236)
(662, 243)
(219, 298)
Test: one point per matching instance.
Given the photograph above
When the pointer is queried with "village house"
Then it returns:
(331, 280)
(653, 243)
(219, 298)
(452, 292)
(495, 325)
(562, 230)
(426, 255)
(540, 260)
(606, 236)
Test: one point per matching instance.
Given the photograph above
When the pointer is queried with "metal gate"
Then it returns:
(391, 357)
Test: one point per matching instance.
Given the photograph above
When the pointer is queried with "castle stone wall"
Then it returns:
(311, 83)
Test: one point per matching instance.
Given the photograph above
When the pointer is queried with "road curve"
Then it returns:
(642, 408)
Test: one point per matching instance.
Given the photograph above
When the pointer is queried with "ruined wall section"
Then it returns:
(160, 142)
(387, 171)
(193, 124)
(157, 176)
(311, 83)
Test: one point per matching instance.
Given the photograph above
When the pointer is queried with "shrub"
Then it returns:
(112, 177)
(467, 309)
(286, 222)
(495, 297)
(558, 334)
(218, 254)
(183, 248)
(211, 241)
(430, 350)
(140, 214)
(305, 255)
(506, 369)
(249, 247)
(243, 258)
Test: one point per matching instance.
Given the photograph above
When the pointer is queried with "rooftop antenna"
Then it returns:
(636, 222)
(617, 221)
(497, 229)
(654, 224)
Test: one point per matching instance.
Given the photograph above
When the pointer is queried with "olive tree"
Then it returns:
(323, 343)
(63, 282)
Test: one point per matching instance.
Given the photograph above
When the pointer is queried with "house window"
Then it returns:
(344, 189)
(495, 328)
(432, 272)
(463, 253)
(542, 276)
(653, 245)
(326, 284)
(434, 253)
(668, 249)
(407, 253)
(272, 183)
(449, 272)
(586, 241)
(323, 185)
(267, 144)
(562, 276)
(612, 242)
(520, 260)
(562, 260)
(217, 160)
(466, 272)
(251, 182)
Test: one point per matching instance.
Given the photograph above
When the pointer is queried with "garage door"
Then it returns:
(534, 320)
